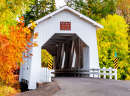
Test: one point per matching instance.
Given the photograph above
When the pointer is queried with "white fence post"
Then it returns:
(45, 74)
(93, 73)
(49, 76)
(104, 71)
(110, 71)
(115, 74)
(99, 73)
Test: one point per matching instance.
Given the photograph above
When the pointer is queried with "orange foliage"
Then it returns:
(11, 49)
(123, 8)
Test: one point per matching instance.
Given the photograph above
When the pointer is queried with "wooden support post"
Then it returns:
(74, 59)
(63, 60)
(77, 53)
(81, 54)
(66, 56)
(54, 62)
(71, 55)
(61, 56)
(58, 56)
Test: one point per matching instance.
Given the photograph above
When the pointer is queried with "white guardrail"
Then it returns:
(46, 74)
(98, 73)
(111, 72)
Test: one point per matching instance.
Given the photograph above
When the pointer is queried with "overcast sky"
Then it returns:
(59, 3)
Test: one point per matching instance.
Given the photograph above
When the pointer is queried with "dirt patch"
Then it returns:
(46, 90)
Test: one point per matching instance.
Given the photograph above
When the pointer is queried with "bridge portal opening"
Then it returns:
(68, 51)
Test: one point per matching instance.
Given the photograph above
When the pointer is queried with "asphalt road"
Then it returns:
(78, 86)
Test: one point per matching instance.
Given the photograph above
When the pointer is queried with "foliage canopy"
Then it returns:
(9, 11)
(95, 9)
(38, 9)
(113, 38)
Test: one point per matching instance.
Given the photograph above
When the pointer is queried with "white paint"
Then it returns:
(94, 72)
(86, 57)
(97, 25)
(83, 27)
(110, 73)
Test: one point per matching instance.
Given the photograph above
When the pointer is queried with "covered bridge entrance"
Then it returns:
(67, 50)
(69, 37)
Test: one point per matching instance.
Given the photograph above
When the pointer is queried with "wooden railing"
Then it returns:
(87, 72)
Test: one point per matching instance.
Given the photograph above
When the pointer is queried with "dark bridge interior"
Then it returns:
(67, 50)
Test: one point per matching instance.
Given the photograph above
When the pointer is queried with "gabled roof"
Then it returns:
(97, 25)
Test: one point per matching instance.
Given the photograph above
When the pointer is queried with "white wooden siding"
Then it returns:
(86, 31)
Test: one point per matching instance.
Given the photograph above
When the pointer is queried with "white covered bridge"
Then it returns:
(69, 37)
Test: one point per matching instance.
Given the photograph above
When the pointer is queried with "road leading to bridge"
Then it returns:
(78, 86)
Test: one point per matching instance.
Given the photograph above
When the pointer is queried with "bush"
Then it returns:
(113, 38)
(7, 90)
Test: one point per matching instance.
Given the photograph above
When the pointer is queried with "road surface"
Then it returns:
(81, 86)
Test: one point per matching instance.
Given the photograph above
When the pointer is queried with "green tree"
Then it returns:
(39, 9)
(9, 11)
(113, 38)
(95, 9)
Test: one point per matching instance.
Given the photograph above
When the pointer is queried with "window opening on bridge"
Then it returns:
(46, 59)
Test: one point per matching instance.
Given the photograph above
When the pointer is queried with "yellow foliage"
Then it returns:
(44, 57)
(113, 38)
(9, 11)
(7, 91)
(33, 25)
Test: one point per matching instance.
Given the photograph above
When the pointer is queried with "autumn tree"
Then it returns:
(13, 37)
(12, 48)
(113, 38)
(95, 9)
(123, 9)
